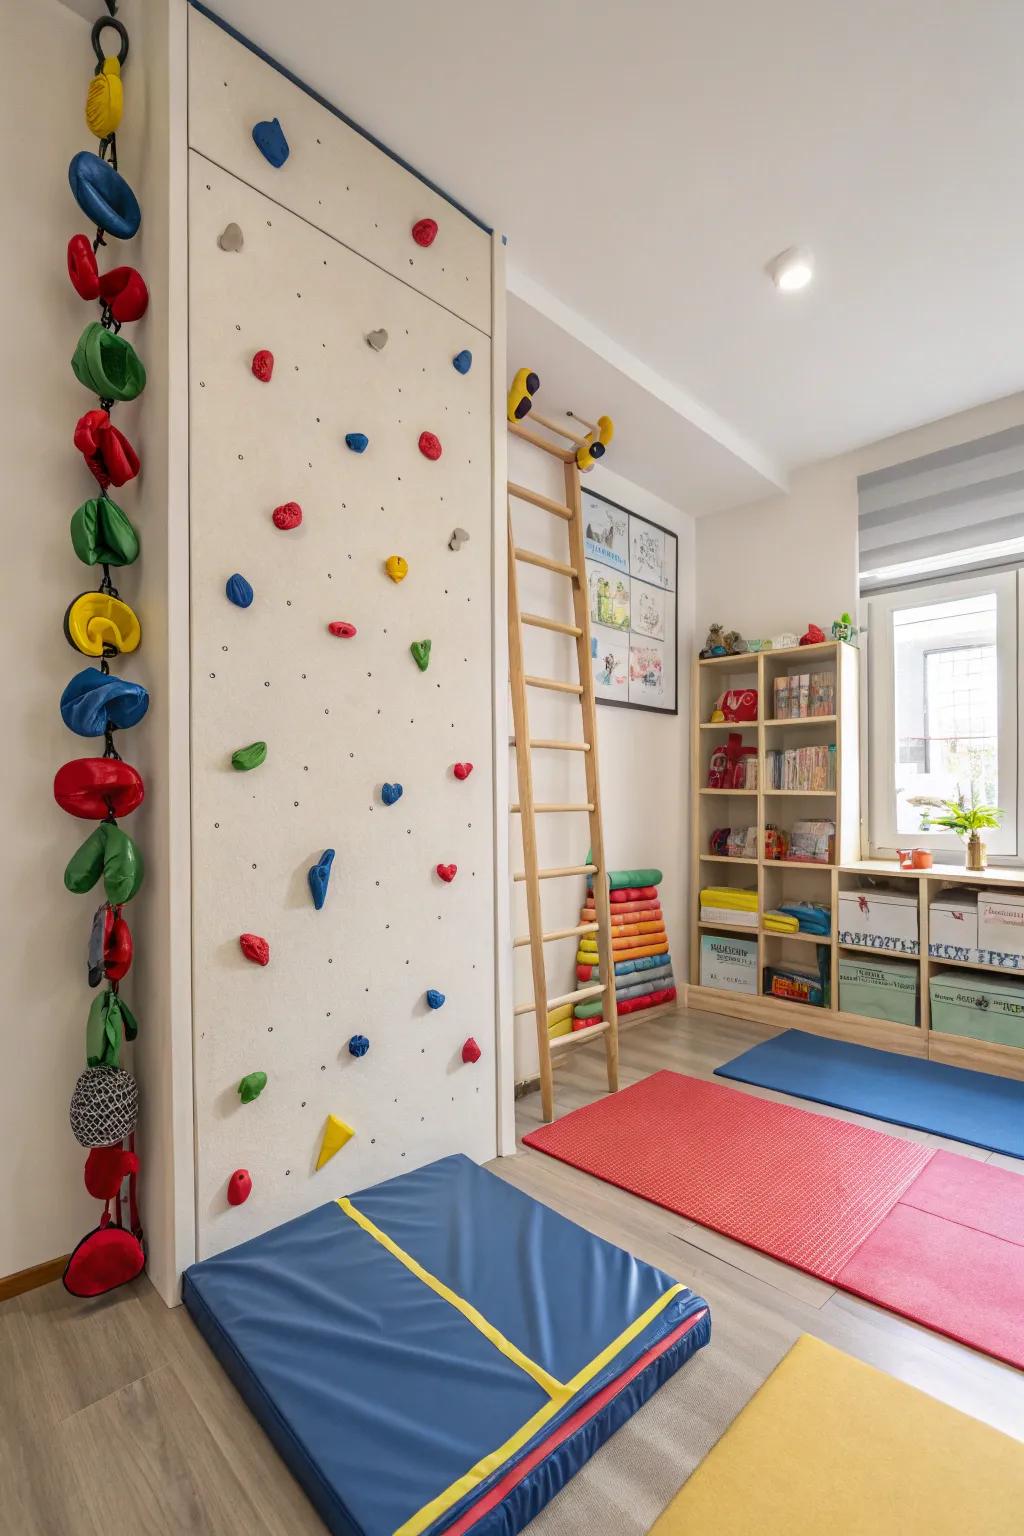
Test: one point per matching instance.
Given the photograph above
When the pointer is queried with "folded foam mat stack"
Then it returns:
(643, 964)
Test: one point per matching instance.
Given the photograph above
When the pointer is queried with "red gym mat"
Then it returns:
(933, 1236)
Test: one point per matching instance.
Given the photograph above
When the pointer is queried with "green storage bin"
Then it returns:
(980, 1007)
(879, 989)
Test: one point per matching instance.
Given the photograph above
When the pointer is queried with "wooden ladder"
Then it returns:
(527, 808)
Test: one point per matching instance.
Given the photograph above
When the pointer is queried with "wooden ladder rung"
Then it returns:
(541, 621)
(559, 874)
(537, 499)
(553, 684)
(554, 746)
(555, 426)
(577, 1036)
(556, 933)
(579, 996)
(567, 455)
(554, 806)
(531, 557)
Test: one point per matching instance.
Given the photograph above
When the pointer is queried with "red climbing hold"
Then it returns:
(85, 279)
(124, 292)
(239, 1186)
(263, 365)
(462, 770)
(447, 872)
(105, 1167)
(424, 231)
(430, 445)
(471, 1051)
(254, 948)
(288, 516)
(108, 453)
(343, 628)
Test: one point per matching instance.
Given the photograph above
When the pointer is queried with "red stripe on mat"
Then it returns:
(803, 1187)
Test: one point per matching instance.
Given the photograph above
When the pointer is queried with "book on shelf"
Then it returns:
(803, 695)
(801, 768)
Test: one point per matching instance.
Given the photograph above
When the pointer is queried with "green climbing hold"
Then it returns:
(421, 653)
(249, 757)
(110, 1019)
(251, 1086)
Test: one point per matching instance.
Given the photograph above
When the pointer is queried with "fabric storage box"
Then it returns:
(953, 925)
(1001, 921)
(879, 989)
(981, 1007)
(728, 963)
(880, 919)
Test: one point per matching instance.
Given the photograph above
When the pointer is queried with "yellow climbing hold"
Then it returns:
(104, 101)
(597, 441)
(397, 567)
(336, 1133)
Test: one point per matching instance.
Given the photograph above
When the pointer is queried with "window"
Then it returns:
(942, 697)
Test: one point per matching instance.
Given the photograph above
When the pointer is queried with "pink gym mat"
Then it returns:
(935, 1237)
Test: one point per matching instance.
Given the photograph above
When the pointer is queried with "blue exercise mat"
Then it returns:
(973, 1107)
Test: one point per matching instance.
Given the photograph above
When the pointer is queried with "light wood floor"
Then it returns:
(116, 1421)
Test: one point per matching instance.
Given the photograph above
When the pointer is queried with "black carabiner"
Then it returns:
(97, 29)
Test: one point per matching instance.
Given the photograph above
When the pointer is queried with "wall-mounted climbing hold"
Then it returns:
(447, 872)
(251, 1086)
(458, 538)
(357, 442)
(430, 445)
(96, 620)
(263, 365)
(358, 1045)
(471, 1051)
(269, 139)
(289, 515)
(82, 268)
(420, 650)
(397, 567)
(239, 1186)
(231, 238)
(110, 1020)
(424, 231)
(389, 793)
(254, 948)
(462, 362)
(597, 441)
(248, 757)
(238, 591)
(378, 340)
(462, 770)
(107, 452)
(336, 1133)
(521, 392)
(319, 875)
(342, 628)
(435, 999)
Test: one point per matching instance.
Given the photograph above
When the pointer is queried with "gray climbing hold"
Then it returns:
(458, 538)
(378, 340)
(231, 238)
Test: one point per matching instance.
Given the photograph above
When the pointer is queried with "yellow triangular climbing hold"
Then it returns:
(336, 1133)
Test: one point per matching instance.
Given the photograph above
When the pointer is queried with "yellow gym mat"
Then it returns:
(832, 1447)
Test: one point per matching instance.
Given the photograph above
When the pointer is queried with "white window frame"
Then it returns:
(880, 736)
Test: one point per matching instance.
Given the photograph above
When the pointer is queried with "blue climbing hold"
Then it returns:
(103, 195)
(462, 362)
(239, 591)
(389, 793)
(94, 700)
(270, 141)
(357, 441)
(435, 999)
(318, 877)
(359, 1045)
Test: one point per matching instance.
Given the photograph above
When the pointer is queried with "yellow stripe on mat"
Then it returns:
(831, 1445)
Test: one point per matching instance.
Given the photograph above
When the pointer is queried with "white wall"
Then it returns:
(643, 758)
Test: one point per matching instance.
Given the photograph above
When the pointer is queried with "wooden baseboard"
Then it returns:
(29, 1279)
(626, 1023)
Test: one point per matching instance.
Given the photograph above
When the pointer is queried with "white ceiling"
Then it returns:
(646, 159)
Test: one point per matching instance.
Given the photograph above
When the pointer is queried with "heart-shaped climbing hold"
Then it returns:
(378, 340)
(231, 238)
(462, 770)
(239, 591)
(252, 756)
(397, 567)
(430, 445)
(254, 948)
(424, 231)
(421, 653)
(435, 999)
(471, 1051)
(447, 872)
(342, 628)
(458, 538)
(357, 442)
(289, 515)
(389, 793)
(269, 139)
(462, 362)
(263, 365)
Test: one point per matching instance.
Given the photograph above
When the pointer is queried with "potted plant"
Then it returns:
(969, 821)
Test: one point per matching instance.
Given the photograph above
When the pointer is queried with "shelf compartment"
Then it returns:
(748, 930)
(802, 794)
(724, 858)
(705, 791)
(977, 965)
(881, 954)
(798, 938)
(781, 720)
(728, 725)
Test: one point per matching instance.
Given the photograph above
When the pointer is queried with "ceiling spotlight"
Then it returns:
(791, 270)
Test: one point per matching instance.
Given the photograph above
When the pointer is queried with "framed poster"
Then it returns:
(632, 580)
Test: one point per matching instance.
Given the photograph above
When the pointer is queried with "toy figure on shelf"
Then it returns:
(735, 644)
(844, 629)
(735, 705)
(776, 842)
(814, 636)
(714, 645)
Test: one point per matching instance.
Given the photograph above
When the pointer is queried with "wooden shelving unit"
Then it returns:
(778, 880)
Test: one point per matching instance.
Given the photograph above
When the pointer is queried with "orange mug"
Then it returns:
(906, 857)
(920, 858)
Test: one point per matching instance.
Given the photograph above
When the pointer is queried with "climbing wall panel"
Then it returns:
(341, 715)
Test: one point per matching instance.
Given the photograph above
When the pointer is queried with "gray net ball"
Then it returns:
(104, 1106)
